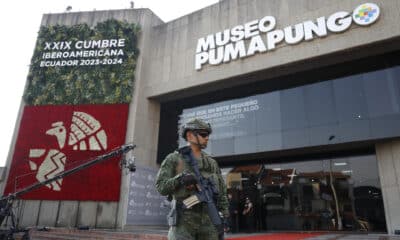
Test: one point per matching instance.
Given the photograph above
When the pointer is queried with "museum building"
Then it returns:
(303, 98)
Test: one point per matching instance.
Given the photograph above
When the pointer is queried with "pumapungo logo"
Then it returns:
(366, 14)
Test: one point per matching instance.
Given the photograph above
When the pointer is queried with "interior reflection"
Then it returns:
(328, 195)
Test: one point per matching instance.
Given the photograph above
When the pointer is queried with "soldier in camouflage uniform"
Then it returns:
(177, 179)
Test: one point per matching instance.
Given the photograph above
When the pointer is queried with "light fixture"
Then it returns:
(340, 164)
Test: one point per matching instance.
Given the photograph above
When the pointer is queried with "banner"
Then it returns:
(74, 66)
(53, 139)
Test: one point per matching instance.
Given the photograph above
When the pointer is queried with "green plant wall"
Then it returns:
(83, 83)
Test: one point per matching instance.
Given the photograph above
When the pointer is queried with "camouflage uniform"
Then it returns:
(192, 223)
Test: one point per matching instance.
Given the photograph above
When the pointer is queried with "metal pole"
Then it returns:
(116, 152)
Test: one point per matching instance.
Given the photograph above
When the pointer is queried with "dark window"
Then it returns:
(319, 104)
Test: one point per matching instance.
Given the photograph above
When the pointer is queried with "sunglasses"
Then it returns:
(203, 134)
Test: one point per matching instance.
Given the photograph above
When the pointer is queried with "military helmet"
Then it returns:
(195, 124)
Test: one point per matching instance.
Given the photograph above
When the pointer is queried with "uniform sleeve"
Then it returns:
(166, 180)
(223, 204)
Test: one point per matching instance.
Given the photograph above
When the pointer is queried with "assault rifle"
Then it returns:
(6, 202)
(207, 193)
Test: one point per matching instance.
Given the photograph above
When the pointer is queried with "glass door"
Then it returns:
(320, 195)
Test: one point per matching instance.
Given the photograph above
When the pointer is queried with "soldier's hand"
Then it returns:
(188, 180)
(225, 221)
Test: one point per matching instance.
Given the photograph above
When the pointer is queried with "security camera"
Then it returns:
(130, 164)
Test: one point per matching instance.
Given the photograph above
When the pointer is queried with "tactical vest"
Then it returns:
(208, 169)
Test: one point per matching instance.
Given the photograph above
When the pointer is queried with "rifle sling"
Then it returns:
(195, 166)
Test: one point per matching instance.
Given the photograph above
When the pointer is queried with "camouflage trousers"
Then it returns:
(193, 225)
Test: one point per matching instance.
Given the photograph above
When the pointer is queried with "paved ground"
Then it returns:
(310, 236)
(355, 237)
(72, 234)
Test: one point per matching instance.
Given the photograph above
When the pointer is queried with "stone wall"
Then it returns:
(175, 42)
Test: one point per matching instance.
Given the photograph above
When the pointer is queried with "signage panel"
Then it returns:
(145, 205)
(261, 35)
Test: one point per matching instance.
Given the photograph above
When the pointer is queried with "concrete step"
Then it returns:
(70, 234)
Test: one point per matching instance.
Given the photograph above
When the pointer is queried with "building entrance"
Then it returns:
(321, 195)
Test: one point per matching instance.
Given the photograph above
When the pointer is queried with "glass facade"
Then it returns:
(329, 194)
(282, 131)
(354, 108)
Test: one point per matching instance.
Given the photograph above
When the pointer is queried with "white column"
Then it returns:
(388, 156)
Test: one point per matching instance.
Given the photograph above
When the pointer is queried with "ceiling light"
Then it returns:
(340, 164)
